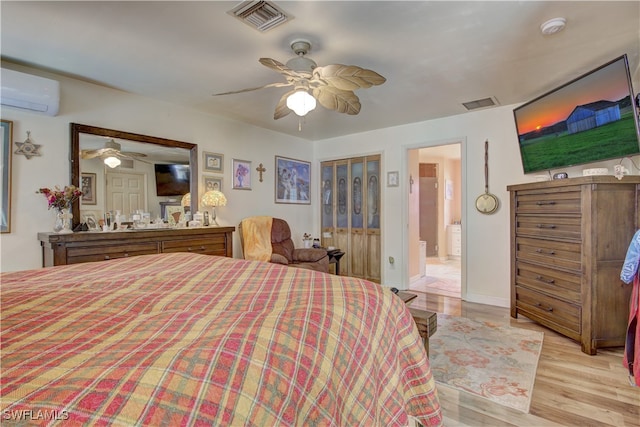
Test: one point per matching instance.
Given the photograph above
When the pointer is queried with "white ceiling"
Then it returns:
(434, 55)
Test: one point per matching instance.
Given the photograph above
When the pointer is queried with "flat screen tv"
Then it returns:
(172, 179)
(589, 119)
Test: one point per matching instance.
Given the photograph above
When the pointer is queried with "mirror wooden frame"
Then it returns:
(74, 156)
(5, 191)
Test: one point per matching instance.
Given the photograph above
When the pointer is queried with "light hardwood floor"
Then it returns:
(571, 388)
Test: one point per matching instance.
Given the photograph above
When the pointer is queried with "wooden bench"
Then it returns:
(426, 321)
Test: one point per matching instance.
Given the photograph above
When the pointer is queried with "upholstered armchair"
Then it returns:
(265, 238)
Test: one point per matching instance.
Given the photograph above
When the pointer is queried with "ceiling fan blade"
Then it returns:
(92, 154)
(88, 154)
(342, 101)
(133, 156)
(348, 77)
(253, 88)
(280, 67)
(281, 109)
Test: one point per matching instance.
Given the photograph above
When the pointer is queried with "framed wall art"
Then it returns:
(293, 181)
(5, 177)
(213, 162)
(393, 179)
(212, 183)
(88, 187)
(241, 170)
(448, 189)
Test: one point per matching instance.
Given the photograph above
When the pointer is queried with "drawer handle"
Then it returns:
(549, 309)
(107, 257)
(550, 202)
(542, 279)
(201, 248)
(540, 251)
(552, 226)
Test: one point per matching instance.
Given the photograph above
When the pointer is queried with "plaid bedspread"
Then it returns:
(183, 339)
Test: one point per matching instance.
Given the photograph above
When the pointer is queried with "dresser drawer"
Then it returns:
(214, 245)
(536, 202)
(551, 227)
(552, 311)
(556, 283)
(548, 252)
(106, 252)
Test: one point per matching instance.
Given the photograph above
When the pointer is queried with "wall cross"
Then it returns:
(261, 169)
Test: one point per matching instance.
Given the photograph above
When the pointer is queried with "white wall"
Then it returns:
(90, 104)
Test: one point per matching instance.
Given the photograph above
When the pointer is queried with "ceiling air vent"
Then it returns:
(261, 15)
(480, 103)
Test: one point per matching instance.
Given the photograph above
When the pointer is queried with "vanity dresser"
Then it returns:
(86, 246)
(569, 239)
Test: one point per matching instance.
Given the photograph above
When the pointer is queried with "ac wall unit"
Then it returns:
(29, 92)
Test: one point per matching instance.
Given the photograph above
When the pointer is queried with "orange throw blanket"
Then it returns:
(256, 233)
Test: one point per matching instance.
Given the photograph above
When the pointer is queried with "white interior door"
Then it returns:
(126, 192)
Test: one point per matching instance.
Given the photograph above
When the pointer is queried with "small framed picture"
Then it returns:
(448, 189)
(293, 181)
(241, 170)
(88, 188)
(92, 222)
(212, 183)
(213, 162)
(393, 179)
(91, 219)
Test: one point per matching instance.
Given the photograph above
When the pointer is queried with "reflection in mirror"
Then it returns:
(134, 158)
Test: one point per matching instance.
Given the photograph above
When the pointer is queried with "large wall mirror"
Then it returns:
(135, 181)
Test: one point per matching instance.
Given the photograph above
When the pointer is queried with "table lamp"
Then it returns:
(213, 199)
(186, 205)
(186, 200)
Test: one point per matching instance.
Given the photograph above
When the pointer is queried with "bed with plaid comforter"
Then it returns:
(184, 339)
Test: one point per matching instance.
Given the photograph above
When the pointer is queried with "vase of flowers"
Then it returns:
(307, 241)
(61, 201)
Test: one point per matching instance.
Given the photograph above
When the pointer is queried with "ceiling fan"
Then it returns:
(111, 149)
(331, 85)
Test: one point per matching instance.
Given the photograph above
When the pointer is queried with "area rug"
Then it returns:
(492, 361)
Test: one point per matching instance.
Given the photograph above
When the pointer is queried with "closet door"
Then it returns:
(373, 241)
(327, 205)
(341, 233)
(350, 214)
(357, 216)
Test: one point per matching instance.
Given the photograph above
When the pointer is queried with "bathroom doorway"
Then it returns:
(440, 212)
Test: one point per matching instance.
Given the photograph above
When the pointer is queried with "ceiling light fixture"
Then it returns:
(553, 26)
(112, 162)
(301, 102)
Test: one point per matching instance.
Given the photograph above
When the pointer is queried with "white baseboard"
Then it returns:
(484, 299)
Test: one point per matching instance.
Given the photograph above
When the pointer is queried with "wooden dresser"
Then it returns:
(86, 246)
(569, 239)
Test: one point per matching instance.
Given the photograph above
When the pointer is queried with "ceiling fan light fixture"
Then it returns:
(112, 161)
(301, 102)
(302, 64)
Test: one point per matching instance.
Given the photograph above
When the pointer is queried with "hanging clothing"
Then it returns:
(629, 273)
